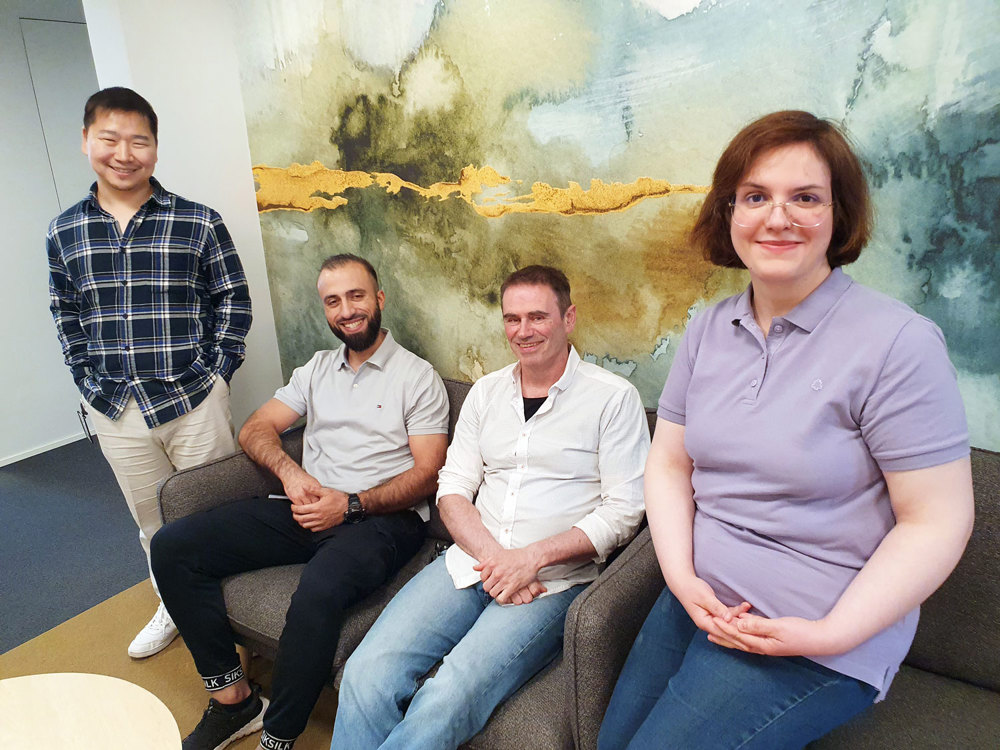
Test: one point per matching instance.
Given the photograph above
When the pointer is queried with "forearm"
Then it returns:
(912, 561)
(568, 546)
(466, 527)
(230, 299)
(64, 304)
(400, 492)
(262, 443)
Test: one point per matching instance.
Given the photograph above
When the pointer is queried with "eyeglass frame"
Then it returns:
(771, 205)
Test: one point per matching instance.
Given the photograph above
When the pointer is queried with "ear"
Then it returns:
(570, 319)
(380, 298)
(83, 142)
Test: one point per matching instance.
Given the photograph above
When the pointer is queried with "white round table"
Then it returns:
(66, 711)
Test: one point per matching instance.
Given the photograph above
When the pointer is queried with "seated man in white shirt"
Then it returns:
(551, 451)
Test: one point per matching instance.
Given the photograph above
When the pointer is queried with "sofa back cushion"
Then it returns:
(959, 634)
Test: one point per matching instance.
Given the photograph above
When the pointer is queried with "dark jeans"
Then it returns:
(679, 690)
(192, 555)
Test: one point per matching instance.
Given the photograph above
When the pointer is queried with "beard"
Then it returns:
(363, 339)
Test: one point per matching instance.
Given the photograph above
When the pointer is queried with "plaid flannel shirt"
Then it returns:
(154, 313)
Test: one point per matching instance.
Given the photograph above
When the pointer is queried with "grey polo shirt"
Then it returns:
(789, 436)
(358, 424)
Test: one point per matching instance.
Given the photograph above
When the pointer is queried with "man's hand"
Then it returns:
(782, 636)
(528, 593)
(324, 513)
(509, 572)
(301, 487)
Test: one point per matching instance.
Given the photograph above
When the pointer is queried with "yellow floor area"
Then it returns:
(96, 641)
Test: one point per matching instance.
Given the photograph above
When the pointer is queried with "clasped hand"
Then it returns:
(314, 507)
(510, 575)
(735, 627)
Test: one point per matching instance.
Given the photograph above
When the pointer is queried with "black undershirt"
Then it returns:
(531, 405)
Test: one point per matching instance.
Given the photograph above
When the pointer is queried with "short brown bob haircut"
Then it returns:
(852, 210)
(548, 276)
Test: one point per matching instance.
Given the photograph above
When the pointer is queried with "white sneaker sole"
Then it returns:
(254, 726)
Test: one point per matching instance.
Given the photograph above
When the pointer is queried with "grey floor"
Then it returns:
(67, 541)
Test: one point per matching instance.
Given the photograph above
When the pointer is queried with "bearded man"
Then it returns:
(374, 440)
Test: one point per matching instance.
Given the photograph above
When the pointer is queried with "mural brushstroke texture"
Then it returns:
(453, 141)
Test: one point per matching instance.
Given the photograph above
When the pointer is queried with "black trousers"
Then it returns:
(192, 555)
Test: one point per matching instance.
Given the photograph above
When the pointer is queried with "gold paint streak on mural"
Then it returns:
(309, 187)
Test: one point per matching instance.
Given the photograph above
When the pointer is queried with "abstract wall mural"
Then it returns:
(452, 141)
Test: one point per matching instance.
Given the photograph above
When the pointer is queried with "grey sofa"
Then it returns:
(947, 694)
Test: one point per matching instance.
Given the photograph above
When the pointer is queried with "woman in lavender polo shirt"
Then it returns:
(808, 485)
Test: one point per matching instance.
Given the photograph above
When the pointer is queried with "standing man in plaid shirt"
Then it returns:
(152, 307)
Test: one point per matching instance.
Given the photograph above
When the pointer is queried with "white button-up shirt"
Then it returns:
(577, 462)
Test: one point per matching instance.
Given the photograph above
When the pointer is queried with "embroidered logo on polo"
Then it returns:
(221, 681)
(817, 385)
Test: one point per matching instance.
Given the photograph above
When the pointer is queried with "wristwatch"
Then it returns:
(355, 512)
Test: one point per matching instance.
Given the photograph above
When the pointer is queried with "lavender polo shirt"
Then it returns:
(789, 436)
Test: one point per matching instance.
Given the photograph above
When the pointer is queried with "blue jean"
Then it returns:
(489, 651)
(678, 690)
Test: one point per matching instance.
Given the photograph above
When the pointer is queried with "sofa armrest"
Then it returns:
(222, 480)
(601, 625)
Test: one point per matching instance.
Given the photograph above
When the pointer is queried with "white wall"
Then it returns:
(38, 397)
(181, 56)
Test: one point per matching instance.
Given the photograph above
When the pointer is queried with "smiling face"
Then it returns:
(784, 259)
(122, 152)
(538, 334)
(352, 304)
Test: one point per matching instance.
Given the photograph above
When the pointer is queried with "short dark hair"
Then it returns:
(852, 210)
(119, 99)
(342, 259)
(548, 276)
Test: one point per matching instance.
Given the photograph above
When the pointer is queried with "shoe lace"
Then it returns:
(161, 620)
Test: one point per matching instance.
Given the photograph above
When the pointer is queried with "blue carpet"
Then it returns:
(67, 540)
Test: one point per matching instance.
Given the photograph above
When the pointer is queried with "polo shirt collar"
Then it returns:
(572, 363)
(385, 350)
(810, 311)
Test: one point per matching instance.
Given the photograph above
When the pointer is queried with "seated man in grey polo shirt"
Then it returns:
(375, 438)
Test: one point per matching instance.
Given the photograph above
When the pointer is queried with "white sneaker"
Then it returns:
(155, 637)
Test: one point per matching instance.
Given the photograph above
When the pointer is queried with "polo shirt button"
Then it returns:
(355, 385)
(753, 383)
(779, 328)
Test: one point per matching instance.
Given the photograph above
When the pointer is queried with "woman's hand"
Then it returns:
(782, 636)
(705, 609)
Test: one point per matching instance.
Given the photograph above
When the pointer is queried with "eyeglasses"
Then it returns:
(805, 211)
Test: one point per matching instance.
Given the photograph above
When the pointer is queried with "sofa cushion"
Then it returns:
(923, 711)
(959, 635)
(258, 600)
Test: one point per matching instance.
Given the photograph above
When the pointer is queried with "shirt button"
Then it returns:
(124, 316)
(127, 347)
(753, 383)
(779, 328)
(355, 385)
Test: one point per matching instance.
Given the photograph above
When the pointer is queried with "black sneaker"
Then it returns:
(219, 727)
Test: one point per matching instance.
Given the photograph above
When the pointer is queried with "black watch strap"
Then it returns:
(355, 512)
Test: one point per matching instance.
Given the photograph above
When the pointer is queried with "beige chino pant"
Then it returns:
(141, 457)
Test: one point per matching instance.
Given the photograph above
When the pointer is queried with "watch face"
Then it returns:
(355, 511)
